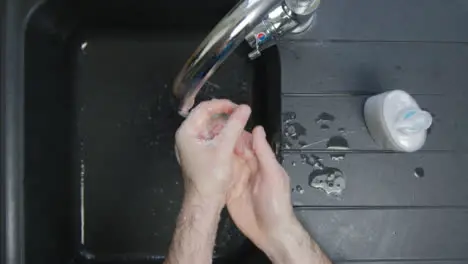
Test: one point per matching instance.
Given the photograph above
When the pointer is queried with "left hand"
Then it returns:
(260, 202)
(205, 147)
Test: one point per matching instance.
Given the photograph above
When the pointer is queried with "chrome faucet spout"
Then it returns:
(260, 22)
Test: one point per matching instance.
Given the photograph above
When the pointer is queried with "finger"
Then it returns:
(202, 113)
(266, 158)
(234, 127)
(248, 139)
(244, 150)
(243, 143)
(241, 179)
(251, 160)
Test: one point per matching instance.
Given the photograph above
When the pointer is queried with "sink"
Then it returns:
(101, 180)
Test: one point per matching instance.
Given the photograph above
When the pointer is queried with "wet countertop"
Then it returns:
(396, 207)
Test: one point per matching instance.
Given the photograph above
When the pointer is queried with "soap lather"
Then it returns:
(396, 121)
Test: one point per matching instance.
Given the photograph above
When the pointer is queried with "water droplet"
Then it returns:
(293, 163)
(337, 142)
(82, 169)
(312, 160)
(324, 118)
(84, 45)
(290, 131)
(286, 144)
(288, 116)
(150, 117)
(299, 189)
(337, 156)
(341, 130)
(419, 172)
(294, 130)
(281, 160)
(324, 127)
(305, 160)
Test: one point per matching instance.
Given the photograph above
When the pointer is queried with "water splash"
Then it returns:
(294, 130)
(419, 172)
(82, 199)
(337, 143)
(337, 156)
(324, 118)
(288, 116)
(299, 189)
(311, 160)
(84, 45)
(286, 144)
(329, 180)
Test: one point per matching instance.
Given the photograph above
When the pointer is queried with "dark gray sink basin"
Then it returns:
(101, 182)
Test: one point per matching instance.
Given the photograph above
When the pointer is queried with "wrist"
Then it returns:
(200, 193)
(211, 204)
(195, 232)
(291, 244)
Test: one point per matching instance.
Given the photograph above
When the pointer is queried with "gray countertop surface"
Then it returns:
(359, 48)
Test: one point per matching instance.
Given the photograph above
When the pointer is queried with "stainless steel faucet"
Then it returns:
(259, 22)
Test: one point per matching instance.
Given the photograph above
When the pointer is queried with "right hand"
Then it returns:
(260, 203)
(205, 146)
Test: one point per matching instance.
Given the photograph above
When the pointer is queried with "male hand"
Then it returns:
(205, 145)
(260, 205)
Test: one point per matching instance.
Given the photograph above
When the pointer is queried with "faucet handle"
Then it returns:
(277, 22)
(261, 37)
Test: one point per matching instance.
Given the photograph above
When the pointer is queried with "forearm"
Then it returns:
(195, 232)
(296, 246)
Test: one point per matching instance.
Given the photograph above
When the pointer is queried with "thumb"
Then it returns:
(234, 127)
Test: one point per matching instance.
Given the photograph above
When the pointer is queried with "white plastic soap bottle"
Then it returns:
(396, 122)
